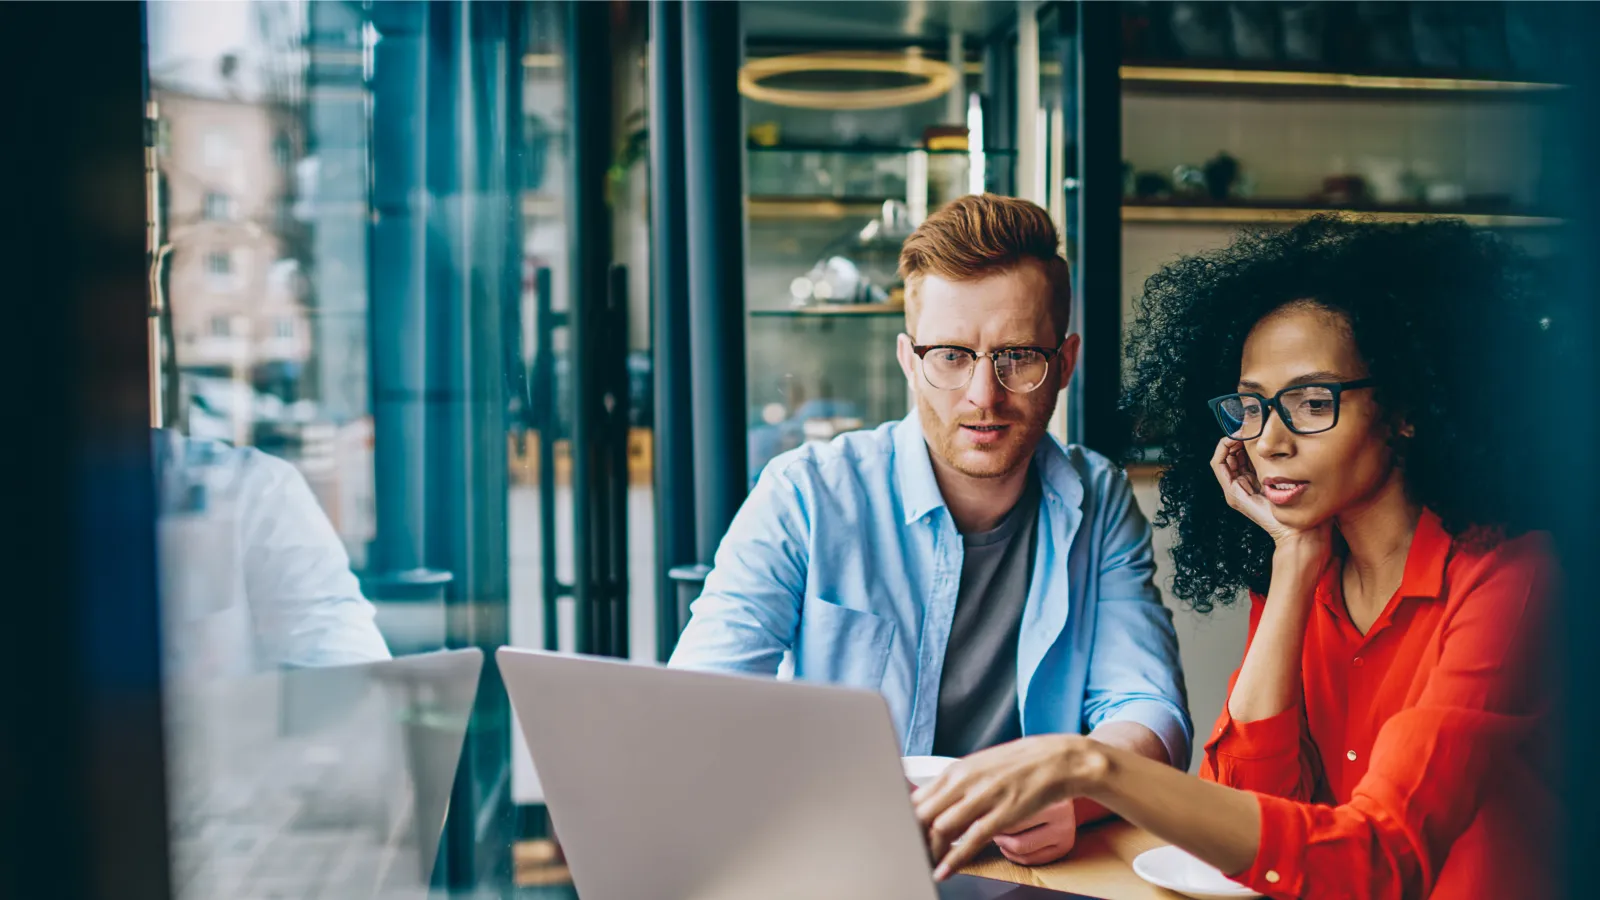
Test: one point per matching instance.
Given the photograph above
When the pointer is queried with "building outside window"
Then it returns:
(219, 207)
(216, 149)
(219, 263)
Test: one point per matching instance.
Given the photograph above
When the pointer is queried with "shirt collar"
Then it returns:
(1423, 578)
(1425, 561)
(919, 489)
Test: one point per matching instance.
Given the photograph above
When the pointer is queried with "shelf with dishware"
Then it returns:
(819, 370)
(1233, 80)
(872, 150)
(854, 310)
(770, 208)
(1169, 212)
(1470, 50)
(1241, 116)
(830, 182)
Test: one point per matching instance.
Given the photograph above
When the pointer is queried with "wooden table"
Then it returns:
(1100, 865)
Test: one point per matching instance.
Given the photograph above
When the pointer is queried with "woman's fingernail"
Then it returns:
(941, 873)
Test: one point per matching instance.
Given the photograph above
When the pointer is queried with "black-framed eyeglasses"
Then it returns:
(1305, 408)
(1019, 369)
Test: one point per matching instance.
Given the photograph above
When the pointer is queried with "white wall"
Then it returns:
(1212, 645)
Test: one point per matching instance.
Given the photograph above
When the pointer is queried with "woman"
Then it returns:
(1373, 485)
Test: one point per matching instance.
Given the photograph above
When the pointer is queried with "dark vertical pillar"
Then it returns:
(674, 442)
(1072, 188)
(473, 56)
(1571, 412)
(398, 312)
(714, 166)
(610, 372)
(999, 99)
(589, 237)
(1094, 419)
(82, 767)
(337, 136)
(547, 418)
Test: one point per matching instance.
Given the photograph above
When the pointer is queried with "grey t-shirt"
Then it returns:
(978, 689)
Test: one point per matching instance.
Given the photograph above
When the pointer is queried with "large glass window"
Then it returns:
(363, 277)
(372, 414)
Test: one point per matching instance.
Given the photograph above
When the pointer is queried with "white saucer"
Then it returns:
(1176, 870)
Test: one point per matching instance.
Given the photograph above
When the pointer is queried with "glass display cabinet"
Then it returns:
(825, 229)
(853, 139)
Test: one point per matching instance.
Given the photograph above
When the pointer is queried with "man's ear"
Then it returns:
(907, 358)
(1067, 360)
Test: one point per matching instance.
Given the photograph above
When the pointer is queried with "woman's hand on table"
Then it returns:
(1006, 790)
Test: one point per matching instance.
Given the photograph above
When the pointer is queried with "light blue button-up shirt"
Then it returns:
(254, 577)
(846, 555)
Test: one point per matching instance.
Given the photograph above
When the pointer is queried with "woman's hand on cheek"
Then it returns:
(1237, 477)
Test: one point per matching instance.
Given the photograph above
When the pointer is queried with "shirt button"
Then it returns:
(1351, 756)
(1356, 662)
(1273, 877)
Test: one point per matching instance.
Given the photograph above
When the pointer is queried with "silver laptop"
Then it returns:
(675, 785)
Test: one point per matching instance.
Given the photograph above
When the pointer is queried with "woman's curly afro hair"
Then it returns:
(1450, 324)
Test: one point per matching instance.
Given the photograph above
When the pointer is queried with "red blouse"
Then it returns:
(1420, 761)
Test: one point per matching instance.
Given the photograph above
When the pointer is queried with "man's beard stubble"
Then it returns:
(1015, 452)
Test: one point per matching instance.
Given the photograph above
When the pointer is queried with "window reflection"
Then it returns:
(302, 760)
(335, 787)
(368, 437)
(254, 576)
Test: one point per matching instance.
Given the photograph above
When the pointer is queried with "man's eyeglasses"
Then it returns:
(1019, 369)
(1305, 408)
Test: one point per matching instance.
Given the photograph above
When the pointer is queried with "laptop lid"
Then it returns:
(324, 782)
(679, 785)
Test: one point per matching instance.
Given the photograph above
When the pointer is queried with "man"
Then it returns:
(988, 581)
(254, 578)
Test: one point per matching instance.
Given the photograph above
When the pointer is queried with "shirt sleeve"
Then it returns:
(747, 615)
(1430, 761)
(305, 603)
(1275, 755)
(1135, 674)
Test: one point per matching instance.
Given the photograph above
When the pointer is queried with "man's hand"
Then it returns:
(1044, 838)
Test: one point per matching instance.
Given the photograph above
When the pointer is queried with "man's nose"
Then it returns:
(984, 390)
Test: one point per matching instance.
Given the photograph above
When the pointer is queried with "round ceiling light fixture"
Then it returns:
(938, 77)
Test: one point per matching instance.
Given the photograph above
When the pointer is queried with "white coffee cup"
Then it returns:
(921, 770)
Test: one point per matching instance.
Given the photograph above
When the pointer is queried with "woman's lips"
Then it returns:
(1282, 491)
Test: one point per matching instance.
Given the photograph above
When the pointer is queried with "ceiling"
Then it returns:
(859, 22)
